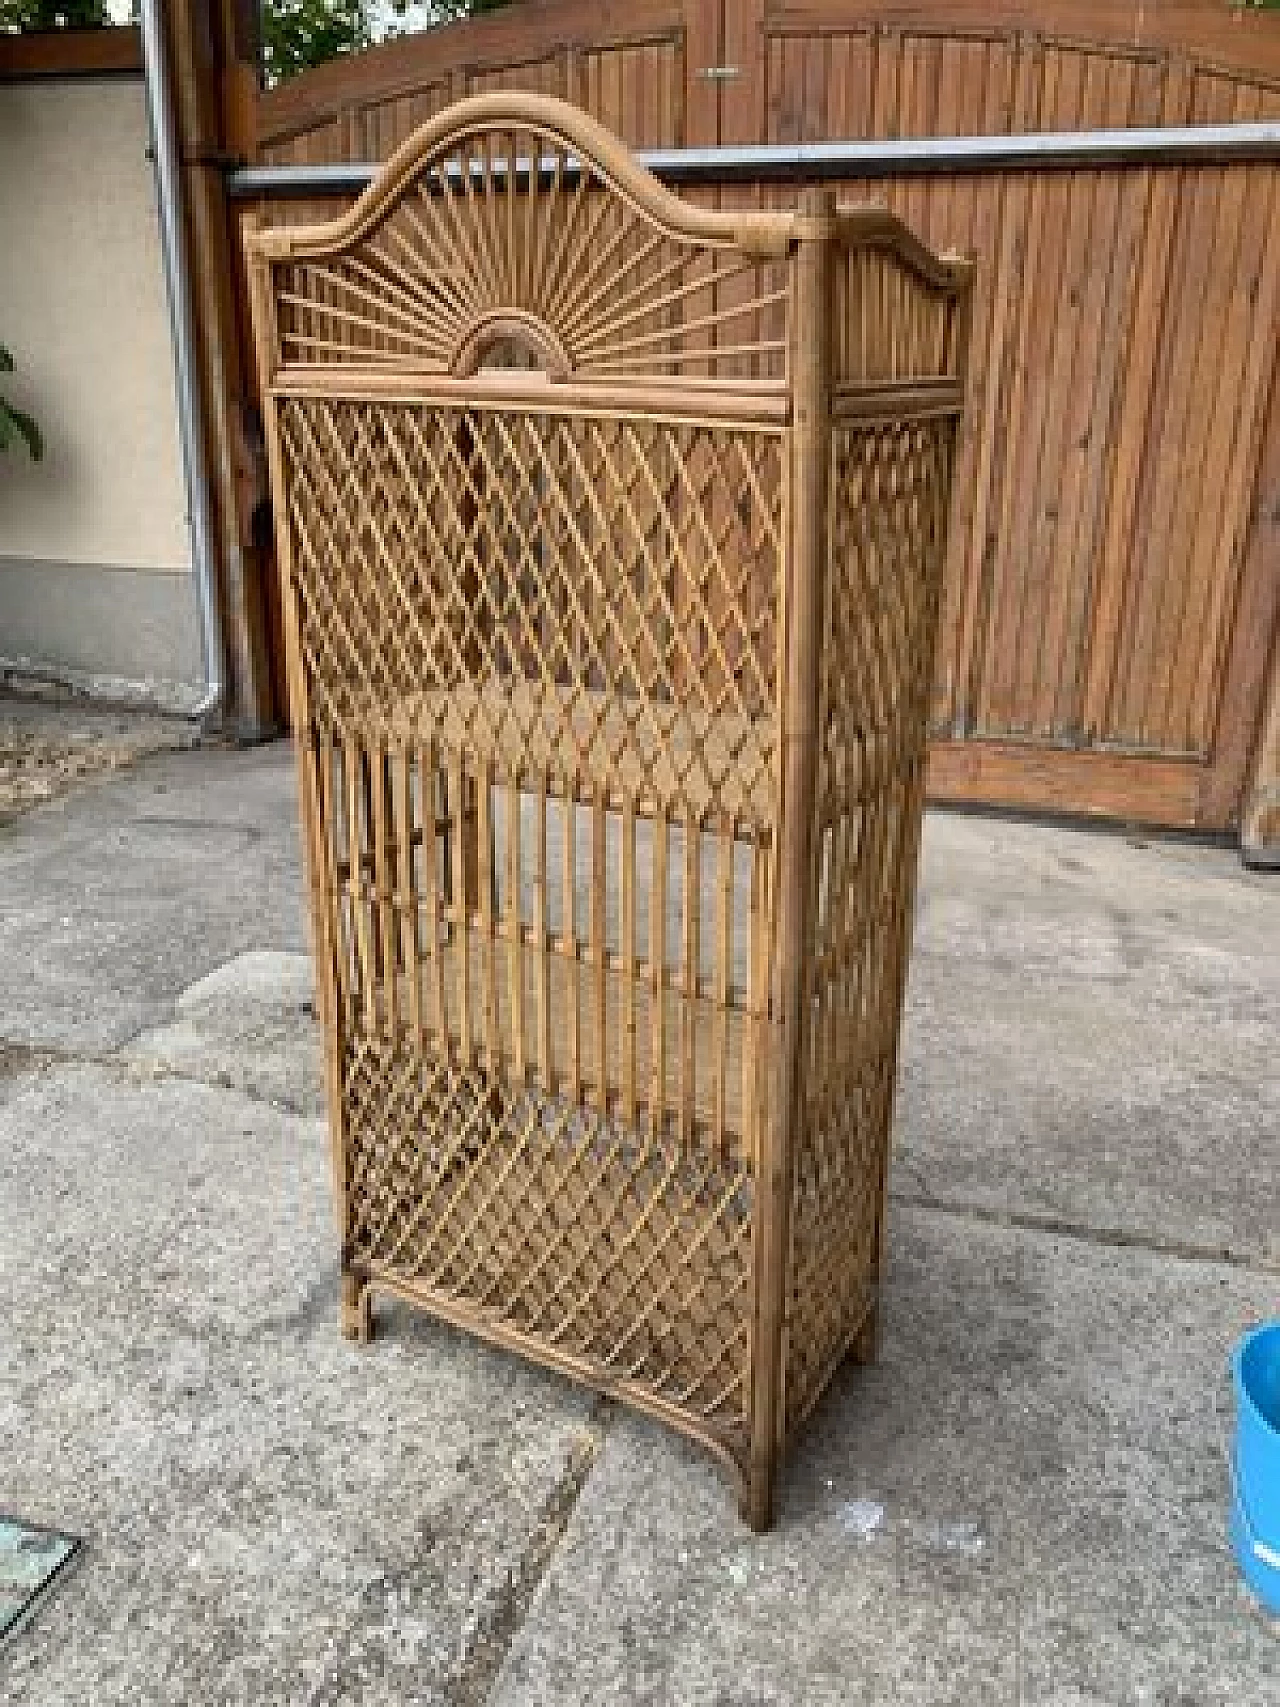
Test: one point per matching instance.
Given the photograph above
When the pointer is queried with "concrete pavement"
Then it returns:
(1023, 1503)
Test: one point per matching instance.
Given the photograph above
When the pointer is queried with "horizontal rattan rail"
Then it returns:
(611, 533)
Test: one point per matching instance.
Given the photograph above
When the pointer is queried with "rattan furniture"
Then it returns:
(611, 532)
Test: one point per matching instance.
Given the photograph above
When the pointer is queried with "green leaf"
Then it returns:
(30, 432)
(15, 423)
(17, 426)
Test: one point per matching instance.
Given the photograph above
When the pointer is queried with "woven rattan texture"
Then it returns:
(574, 1230)
(614, 581)
(884, 577)
(611, 531)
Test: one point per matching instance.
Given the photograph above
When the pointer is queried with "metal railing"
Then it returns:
(1194, 145)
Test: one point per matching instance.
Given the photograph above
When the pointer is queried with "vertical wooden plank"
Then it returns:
(814, 124)
(863, 57)
(887, 95)
(1043, 623)
(1016, 585)
(1092, 437)
(967, 104)
(702, 42)
(1213, 419)
(921, 113)
(611, 93)
(1001, 398)
(742, 98)
(774, 87)
(1194, 328)
(1260, 819)
(1244, 527)
(1142, 345)
(200, 60)
(788, 102)
(589, 88)
(1239, 388)
(839, 91)
(651, 78)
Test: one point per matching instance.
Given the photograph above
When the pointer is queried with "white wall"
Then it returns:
(82, 310)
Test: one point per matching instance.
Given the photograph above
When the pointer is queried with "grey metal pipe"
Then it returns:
(1041, 150)
(1187, 145)
(164, 148)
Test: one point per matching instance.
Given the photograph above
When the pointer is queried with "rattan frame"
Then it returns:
(611, 533)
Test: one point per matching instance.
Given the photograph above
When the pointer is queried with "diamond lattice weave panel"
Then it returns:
(623, 1250)
(614, 583)
(884, 577)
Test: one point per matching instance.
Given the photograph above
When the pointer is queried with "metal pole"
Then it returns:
(182, 324)
(1189, 145)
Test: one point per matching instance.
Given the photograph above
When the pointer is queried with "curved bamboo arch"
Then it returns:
(475, 234)
(767, 234)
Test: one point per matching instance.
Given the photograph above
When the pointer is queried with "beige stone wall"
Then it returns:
(82, 308)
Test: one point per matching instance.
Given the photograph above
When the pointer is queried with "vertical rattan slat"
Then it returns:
(611, 531)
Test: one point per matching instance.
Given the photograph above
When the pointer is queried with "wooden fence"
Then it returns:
(1114, 581)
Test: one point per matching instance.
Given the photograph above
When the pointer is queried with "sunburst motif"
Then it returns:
(510, 244)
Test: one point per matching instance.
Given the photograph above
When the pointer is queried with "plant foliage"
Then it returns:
(16, 426)
(52, 14)
(297, 34)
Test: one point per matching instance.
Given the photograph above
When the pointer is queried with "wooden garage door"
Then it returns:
(1114, 581)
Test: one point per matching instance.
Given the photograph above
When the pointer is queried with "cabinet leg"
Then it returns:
(866, 1342)
(355, 1312)
(756, 1504)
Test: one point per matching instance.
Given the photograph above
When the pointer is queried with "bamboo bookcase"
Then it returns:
(611, 532)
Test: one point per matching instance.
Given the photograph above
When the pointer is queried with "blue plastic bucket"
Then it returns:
(1255, 1467)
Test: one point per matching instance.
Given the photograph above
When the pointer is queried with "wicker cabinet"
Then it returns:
(612, 532)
